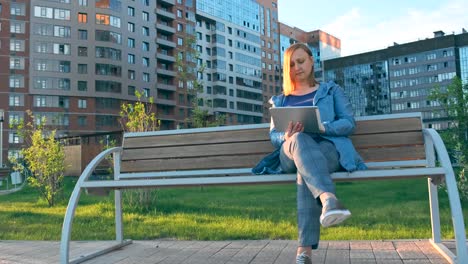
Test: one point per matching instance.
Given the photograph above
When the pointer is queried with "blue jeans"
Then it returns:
(313, 159)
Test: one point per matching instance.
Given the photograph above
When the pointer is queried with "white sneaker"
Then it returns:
(303, 258)
(333, 213)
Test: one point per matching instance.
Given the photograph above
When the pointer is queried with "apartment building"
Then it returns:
(238, 43)
(323, 45)
(14, 69)
(75, 62)
(399, 79)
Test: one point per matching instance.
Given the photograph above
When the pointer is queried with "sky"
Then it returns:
(366, 25)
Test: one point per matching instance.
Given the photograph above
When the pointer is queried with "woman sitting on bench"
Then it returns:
(312, 156)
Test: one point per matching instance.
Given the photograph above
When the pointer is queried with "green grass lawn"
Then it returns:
(381, 210)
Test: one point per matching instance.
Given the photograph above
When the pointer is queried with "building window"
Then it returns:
(82, 18)
(145, 31)
(83, 51)
(82, 103)
(18, 9)
(146, 92)
(82, 86)
(146, 62)
(82, 34)
(82, 121)
(131, 58)
(179, 13)
(16, 63)
(64, 66)
(145, 16)
(131, 27)
(146, 77)
(62, 31)
(63, 49)
(180, 41)
(180, 27)
(16, 45)
(13, 138)
(145, 46)
(131, 43)
(102, 19)
(61, 14)
(82, 68)
(131, 11)
(131, 75)
(17, 27)
(16, 81)
(131, 90)
(83, 2)
(40, 101)
(15, 100)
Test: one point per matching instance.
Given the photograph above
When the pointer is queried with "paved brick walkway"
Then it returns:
(228, 252)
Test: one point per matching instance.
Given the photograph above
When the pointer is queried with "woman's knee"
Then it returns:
(301, 138)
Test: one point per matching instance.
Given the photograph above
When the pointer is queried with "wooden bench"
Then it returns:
(393, 146)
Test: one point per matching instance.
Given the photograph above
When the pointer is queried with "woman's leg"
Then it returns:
(315, 161)
(303, 153)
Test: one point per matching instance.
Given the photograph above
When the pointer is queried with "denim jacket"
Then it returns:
(337, 117)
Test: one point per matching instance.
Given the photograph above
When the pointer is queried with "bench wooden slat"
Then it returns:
(214, 162)
(388, 125)
(388, 139)
(392, 153)
(199, 150)
(378, 140)
(197, 138)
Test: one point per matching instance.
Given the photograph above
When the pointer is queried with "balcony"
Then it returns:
(160, 71)
(166, 28)
(165, 42)
(160, 101)
(165, 57)
(167, 87)
(164, 13)
(171, 2)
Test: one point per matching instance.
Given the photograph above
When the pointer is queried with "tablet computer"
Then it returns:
(309, 116)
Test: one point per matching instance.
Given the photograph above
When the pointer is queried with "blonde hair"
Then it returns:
(288, 84)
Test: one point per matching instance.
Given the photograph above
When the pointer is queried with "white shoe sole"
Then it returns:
(334, 217)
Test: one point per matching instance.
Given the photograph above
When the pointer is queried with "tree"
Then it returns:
(188, 71)
(454, 100)
(44, 158)
(139, 117)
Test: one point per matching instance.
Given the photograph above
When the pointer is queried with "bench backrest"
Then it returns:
(383, 138)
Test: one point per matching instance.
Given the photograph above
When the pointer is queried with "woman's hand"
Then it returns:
(292, 129)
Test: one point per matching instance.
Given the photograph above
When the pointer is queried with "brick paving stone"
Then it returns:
(362, 254)
(389, 261)
(416, 261)
(227, 252)
(338, 245)
(338, 256)
(363, 261)
(386, 254)
(358, 245)
(382, 245)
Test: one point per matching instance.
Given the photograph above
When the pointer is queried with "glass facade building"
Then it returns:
(366, 85)
(238, 43)
(400, 78)
(463, 53)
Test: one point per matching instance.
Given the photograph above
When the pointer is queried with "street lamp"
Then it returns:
(1, 137)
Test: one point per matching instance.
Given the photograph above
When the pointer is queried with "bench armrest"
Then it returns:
(73, 202)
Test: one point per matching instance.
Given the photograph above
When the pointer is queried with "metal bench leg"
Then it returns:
(70, 213)
(433, 140)
(434, 207)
